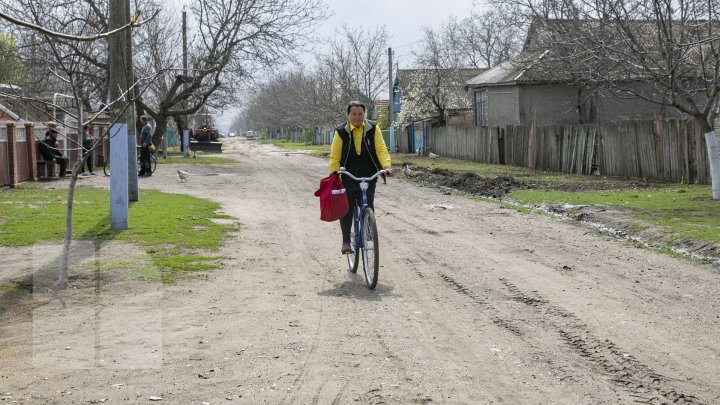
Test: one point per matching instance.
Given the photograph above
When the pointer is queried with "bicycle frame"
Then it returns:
(358, 213)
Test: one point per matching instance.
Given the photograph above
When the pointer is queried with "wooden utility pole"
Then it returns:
(390, 86)
(185, 49)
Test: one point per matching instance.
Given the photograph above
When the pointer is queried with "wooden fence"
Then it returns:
(664, 150)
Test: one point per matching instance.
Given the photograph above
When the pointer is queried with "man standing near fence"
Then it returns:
(145, 144)
(87, 144)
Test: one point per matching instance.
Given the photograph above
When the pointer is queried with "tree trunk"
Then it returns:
(181, 122)
(62, 282)
(160, 128)
(703, 124)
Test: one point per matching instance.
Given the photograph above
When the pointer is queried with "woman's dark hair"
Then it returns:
(355, 104)
(85, 127)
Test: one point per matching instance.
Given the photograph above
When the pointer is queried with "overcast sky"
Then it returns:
(402, 18)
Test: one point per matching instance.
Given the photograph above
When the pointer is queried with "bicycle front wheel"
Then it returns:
(353, 258)
(371, 248)
(153, 163)
(106, 167)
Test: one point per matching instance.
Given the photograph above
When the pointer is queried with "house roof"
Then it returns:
(517, 70)
(405, 77)
(6, 111)
(553, 49)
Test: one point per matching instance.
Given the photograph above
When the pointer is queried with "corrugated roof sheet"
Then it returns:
(517, 70)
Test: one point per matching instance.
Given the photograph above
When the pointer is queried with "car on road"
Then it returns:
(232, 135)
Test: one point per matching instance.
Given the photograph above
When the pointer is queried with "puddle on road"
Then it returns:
(288, 153)
(206, 174)
(440, 207)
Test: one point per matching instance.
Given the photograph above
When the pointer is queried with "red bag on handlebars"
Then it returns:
(333, 200)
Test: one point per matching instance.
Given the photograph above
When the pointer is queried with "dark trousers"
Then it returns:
(145, 159)
(354, 195)
(88, 163)
(63, 162)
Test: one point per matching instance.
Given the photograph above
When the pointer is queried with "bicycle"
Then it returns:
(364, 236)
(153, 163)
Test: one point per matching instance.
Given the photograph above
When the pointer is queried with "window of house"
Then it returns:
(481, 108)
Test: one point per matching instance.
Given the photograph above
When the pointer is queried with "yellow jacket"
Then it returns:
(358, 133)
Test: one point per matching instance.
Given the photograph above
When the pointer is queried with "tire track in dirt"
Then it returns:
(638, 379)
(625, 371)
(340, 393)
(483, 303)
(297, 383)
(478, 300)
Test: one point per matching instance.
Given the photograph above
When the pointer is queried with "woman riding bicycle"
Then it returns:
(359, 147)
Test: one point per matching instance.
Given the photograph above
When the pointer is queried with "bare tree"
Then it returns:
(356, 65)
(485, 39)
(663, 52)
(290, 101)
(445, 60)
(354, 69)
(480, 40)
(234, 40)
(68, 70)
(433, 93)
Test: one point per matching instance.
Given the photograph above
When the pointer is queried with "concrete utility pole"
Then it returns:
(122, 133)
(183, 132)
(712, 142)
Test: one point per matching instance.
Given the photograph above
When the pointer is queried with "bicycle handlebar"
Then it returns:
(373, 177)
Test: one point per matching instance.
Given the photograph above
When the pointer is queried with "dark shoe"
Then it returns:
(346, 249)
(141, 173)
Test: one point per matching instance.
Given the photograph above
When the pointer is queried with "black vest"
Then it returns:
(367, 163)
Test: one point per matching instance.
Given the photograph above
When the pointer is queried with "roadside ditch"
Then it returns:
(609, 220)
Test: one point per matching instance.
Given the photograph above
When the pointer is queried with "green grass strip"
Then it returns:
(684, 212)
(167, 226)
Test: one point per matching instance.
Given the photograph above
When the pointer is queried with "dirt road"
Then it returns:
(476, 303)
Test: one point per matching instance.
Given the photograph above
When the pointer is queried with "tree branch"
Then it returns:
(26, 24)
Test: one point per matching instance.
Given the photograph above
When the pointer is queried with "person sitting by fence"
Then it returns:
(49, 150)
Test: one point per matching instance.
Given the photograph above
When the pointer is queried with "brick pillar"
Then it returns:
(31, 150)
(12, 152)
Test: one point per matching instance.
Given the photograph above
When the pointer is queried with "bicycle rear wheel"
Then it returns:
(106, 167)
(153, 163)
(371, 249)
(353, 259)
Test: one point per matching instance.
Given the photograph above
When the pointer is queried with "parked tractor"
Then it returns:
(206, 133)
